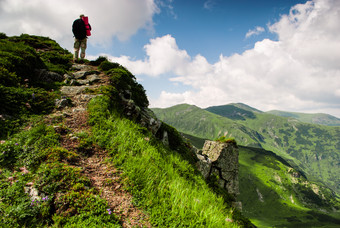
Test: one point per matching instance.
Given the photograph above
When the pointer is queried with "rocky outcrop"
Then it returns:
(219, 161)
(48, 76)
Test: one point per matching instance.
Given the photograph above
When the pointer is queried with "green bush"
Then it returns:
(99, 61)
(8, 78)
(106, 65)
(21, 93)
(3, 36)
(224, 139)
(20, 59)
(9, 152)
(122, 80)
(17, 101)
(27, 148)
(55, 58)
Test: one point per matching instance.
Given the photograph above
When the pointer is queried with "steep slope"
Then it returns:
(274, 194)
(315, 149)
(201, 123)
(93, 166)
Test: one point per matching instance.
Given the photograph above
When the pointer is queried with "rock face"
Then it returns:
(220, 160)
(48, 76)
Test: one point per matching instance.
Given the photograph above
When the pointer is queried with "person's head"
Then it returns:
(82, 15)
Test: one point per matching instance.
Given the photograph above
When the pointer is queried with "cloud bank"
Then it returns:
(298, 72)
(109, 18)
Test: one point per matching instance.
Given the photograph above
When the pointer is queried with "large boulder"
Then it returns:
(48, 76)
(220, 161)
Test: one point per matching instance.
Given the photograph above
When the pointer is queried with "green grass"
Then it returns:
(313, 148)
(279, 183)
(166, 186)
(65, 196)
(22, 94)
(273, 196)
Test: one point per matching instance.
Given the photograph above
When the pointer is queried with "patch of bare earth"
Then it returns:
(105, 178)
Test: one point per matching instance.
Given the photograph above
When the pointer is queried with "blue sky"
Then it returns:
(269, 54)
(209, 28)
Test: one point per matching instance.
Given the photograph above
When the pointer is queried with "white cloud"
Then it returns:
(108, 18)
(209, 4)
(163, 56)
(256, 31)
(299, 72)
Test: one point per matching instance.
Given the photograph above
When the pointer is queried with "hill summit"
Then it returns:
(79, 147)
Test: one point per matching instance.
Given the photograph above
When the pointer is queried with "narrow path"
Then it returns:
(105, 178)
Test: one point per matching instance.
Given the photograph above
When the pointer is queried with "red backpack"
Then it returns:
(87, 26)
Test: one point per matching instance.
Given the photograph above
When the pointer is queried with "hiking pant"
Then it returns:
(79, 44)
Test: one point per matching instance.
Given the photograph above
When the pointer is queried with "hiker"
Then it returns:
(81, 30)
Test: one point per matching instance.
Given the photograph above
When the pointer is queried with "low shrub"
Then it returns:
(98, 61)
(224, 139)
(106, 65)
(122, 81)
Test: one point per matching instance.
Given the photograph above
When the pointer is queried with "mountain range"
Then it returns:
(314, 148)
(285, 162)
(79, 147)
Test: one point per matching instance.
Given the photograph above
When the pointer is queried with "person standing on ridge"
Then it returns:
(81, 30)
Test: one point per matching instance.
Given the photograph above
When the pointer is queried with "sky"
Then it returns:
(268, 54)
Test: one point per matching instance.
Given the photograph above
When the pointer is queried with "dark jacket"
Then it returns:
(79, 29)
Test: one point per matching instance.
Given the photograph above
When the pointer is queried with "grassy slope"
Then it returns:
(31, 156)
(274, 195)
(167, 186)
(201, 123)
(273, 130)
(22, 94)
(288, 199)
(313, 148)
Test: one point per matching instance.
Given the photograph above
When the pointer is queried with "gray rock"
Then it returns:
(80, 75)
(93, 78)
(62, 103)
(149, 120)
(68, 77)
(83, 82)
(48, 76)
(82, 67)
(73, 90)
(220, 160)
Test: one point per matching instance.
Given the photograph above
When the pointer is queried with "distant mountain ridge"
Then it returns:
(318, 118)
(240, 111)
(313, 148)
(279, 161)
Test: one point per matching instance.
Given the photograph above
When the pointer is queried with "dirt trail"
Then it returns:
(103, 175)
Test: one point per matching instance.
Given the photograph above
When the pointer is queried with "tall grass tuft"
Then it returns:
(168, 187)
